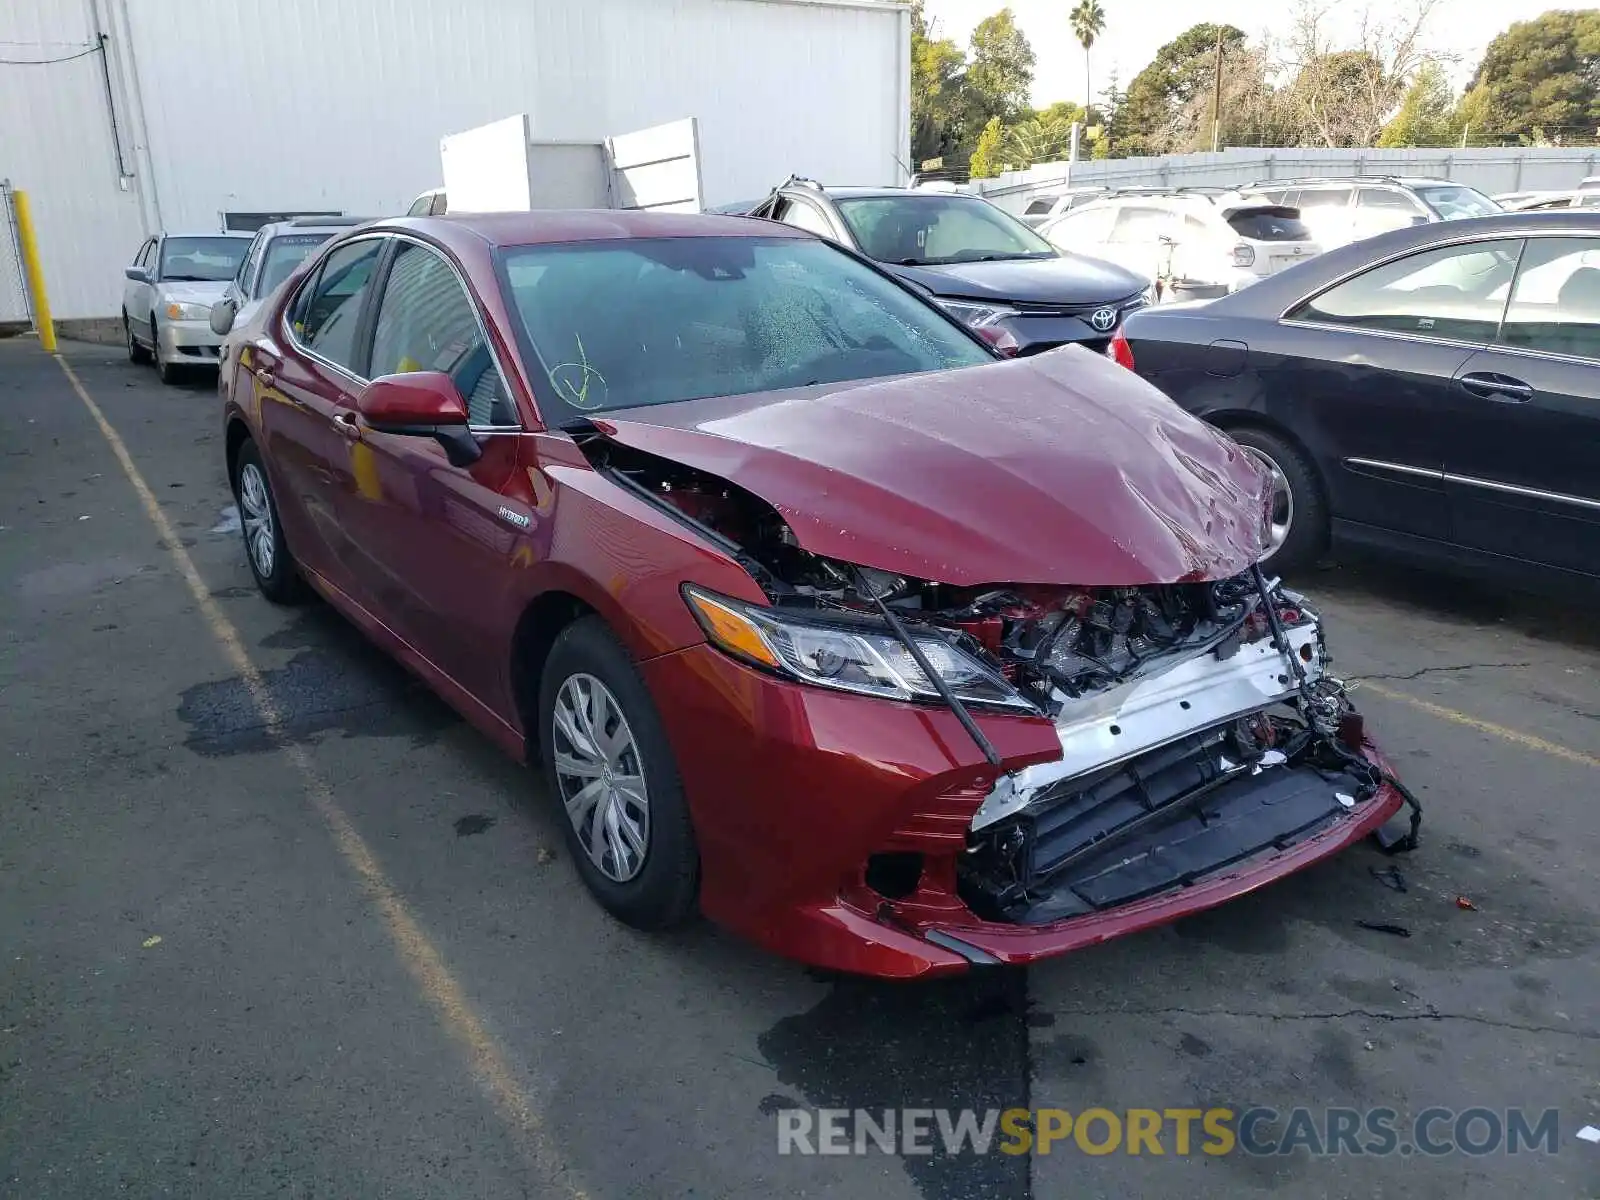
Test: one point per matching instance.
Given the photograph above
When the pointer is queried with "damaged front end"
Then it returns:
(1199, 727)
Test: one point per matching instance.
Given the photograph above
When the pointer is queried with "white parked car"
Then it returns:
(1190, 242)
(1046, 206)
(167, 294)
(1339, 211)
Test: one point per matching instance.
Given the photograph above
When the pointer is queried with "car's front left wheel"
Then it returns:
(268, 554)
(170, 372)
(608, 762)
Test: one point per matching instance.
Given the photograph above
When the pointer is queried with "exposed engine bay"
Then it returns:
(1197, 721)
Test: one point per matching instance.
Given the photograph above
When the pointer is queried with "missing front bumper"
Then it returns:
(1164, 821)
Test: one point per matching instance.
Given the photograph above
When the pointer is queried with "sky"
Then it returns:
(1136, 29)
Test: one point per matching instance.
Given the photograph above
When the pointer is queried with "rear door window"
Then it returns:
(1139, 225)
(1383, 198)
(1086, 226)
(805, 216)
(330, 310)
(1315, 198)
(1454, 292)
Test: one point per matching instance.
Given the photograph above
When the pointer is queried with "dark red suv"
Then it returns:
(818, 615)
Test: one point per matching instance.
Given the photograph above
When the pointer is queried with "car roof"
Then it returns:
(206, 233)
(313, 225)
(554, 226)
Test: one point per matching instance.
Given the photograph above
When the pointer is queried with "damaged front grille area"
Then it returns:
(1164, 819)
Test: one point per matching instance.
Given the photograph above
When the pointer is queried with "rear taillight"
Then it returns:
(1244, 255)
(1119, 351)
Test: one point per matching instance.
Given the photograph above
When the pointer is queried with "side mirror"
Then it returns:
(421, 404)
(137, 274)
(223, 313)
(1166, 239)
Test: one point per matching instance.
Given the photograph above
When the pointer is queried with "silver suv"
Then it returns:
(1340, 210)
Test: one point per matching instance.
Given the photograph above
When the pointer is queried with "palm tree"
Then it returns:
(1088, 23)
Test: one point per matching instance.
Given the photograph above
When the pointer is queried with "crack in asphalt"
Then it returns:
(1339, 1015)
(1421, 671)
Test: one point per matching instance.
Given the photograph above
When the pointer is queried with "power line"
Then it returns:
(45, 62)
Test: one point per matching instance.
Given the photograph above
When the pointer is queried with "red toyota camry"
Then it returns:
(818, 615)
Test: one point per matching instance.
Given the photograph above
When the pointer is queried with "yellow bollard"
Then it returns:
(35, 273)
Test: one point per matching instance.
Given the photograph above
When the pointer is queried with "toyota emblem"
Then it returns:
(1103, 319)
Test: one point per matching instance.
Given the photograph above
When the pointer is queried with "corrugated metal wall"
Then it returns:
(269, 105)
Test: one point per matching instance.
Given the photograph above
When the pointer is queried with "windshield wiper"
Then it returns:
(188, 279)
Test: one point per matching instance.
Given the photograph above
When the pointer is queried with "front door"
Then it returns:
(430, 540)
(1524, 477)
(308, 381)
(1369, 373)
(138, 295)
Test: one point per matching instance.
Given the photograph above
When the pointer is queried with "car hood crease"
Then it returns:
(1062, 468)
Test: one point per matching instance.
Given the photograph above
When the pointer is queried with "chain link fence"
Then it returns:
(14, 307)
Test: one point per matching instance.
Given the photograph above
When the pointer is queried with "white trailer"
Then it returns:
(503, 167)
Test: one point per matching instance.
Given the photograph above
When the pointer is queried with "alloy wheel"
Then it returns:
(601, 777)
(1282, 502)
(255, 512)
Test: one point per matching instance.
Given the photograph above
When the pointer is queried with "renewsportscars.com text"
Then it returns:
(1213, 1131)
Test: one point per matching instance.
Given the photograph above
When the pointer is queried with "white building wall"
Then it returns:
(267, 105)
(56, 144)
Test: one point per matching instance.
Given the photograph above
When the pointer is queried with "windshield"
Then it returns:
(284, 254)
(1453, 203)
(619, 324)
(934, 230)
(202, 259)
(1269, 225)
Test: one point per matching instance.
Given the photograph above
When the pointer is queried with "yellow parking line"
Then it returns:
(1526, 740)
(421, 958)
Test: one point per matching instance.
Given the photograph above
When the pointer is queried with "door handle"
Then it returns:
(345, 423)
(1503, 389)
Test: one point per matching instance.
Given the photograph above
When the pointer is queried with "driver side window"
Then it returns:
(1454, 292)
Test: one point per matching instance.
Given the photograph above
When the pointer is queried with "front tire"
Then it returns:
(137, 354)
(1300, 507)
(274, 568)
(170, 372)
(608, 762)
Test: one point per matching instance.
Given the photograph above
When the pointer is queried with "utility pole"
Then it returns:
(1216, 98)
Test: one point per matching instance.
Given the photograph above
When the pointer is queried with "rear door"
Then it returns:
(1135, 239)
(1327, 213)
(431, 541)
(1378, 210)
(308, 384)
(1524, 476)
(138, 295)
(1369, 378)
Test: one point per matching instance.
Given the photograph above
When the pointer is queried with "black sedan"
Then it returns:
(1434, 390)
(981, 264)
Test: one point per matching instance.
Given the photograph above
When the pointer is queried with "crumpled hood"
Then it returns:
(1062, 468)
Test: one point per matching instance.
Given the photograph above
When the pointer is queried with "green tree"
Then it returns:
(1343, 96)
(985, 163)
(1427, 114)
(999, 73)
(1473, 120)
(1543, 75)
(1156, 114)
(1088, 23)
(936, 69)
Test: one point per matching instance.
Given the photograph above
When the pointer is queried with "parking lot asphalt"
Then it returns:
(273, 921)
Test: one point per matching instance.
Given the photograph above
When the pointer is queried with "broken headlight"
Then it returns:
(852, 655)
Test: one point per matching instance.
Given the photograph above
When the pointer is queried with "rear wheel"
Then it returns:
(268, 554)
(137, 354)
(608, 761)
(1299, 509)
